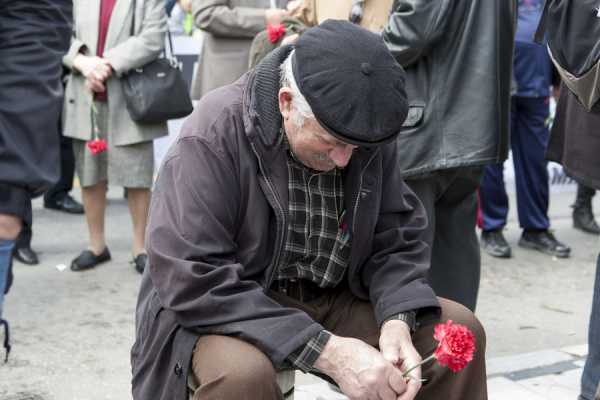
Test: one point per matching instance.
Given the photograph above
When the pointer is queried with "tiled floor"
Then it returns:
(544, 375)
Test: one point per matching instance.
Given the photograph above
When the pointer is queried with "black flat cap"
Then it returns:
(352, 83)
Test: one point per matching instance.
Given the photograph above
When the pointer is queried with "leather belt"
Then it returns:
(299, 289)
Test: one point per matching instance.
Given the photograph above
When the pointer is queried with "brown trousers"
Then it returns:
(228, 368)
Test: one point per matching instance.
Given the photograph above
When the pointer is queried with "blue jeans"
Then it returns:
(591, 371)
(6, 247)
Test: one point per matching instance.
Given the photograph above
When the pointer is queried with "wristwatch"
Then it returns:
(410, 317)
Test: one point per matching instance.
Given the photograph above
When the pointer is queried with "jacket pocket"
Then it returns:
(415, 115)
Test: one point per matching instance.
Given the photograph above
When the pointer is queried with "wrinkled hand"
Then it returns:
(273, 16)
(360, 370)
(396, 347)
(96, 71)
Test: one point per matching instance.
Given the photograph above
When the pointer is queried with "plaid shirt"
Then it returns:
(318, 243)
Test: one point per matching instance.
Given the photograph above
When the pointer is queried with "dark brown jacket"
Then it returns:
(217, 228)
(575, 139)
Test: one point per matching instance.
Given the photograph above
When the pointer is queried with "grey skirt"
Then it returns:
(130, 166)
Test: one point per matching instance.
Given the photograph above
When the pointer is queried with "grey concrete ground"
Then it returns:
(72, 331)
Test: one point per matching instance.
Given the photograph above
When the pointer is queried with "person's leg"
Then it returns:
(10, 225)
(139, 203)
(455, 257)
(494, 200)
(94, 202)
(590, 378)
(529, 138)
(229, 368)
(583, 215)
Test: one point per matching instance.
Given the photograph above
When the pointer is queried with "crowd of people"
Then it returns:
(318, 210)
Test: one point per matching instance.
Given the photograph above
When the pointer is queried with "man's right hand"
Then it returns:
(273, 16)
(360, 370)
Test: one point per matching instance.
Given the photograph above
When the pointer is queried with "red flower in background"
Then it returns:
(456, 345)
(97, 146)
(275, 32)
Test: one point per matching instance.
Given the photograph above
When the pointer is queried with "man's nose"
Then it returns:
(340, 155)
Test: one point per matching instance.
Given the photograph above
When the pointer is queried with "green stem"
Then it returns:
(431, 357)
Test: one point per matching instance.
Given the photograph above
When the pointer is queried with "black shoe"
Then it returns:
(583, 219)
(66, 204)
(494, 244)
(26, 255)
(87, 259)
(545, 242)
(139, 262)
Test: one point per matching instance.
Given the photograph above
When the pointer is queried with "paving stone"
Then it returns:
(578, 351)
(555, 387)
(503, 365)
(504, 389)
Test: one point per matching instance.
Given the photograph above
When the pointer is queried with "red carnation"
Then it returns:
(456, 347)
(97, 146)
(275, 32)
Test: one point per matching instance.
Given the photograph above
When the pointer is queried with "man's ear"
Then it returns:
(285, 102)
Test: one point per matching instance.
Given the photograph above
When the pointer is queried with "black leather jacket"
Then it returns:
(458, 59)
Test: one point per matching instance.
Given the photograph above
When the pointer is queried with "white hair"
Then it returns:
(299, 103)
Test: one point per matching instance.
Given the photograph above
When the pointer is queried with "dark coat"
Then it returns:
(217, 227)
(34, 35)
(575, 139)
(458, 58)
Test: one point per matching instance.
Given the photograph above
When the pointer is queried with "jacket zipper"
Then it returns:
(356, 201)
(279, 208)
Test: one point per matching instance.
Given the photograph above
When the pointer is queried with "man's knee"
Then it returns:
(459, 314)
(10, 226)
(233, 367)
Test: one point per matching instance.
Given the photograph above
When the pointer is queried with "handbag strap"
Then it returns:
(168, 54)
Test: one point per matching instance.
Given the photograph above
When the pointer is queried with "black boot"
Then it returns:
(583, 216)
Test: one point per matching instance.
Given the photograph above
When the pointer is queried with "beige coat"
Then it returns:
(229, 27)
(375, 15)
(124, 52)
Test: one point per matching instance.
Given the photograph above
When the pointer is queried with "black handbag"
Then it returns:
(157, 91)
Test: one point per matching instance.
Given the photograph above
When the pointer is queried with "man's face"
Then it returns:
(312, 145)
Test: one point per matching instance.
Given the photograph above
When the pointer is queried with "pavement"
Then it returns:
(72, 332)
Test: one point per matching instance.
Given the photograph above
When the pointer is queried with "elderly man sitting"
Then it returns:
(282, 235)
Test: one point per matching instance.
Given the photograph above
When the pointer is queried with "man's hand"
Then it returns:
(396, 347)
(360, 370)
(273, 16)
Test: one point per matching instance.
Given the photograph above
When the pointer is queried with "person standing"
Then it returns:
(34, 35)
(229, 27)
(574, 144)
(529, 138)
(115, 38)
(457, 56)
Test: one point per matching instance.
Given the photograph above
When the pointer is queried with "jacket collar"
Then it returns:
(263, 120)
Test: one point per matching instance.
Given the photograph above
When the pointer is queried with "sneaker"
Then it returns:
(545, 242)
(494, 244)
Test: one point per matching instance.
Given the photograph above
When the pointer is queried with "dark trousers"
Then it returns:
(450, 200)
(67, 172)
(529, 139)
(229, 368)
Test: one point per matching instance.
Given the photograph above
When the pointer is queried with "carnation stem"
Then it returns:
(431, 357)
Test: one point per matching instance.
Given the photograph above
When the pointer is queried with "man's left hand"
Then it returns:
(396, 347)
